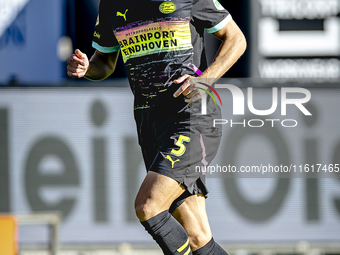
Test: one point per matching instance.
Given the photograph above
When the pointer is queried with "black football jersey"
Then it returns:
(159, 42)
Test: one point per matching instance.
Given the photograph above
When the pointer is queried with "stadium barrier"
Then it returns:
(8, 235)
(52, 219)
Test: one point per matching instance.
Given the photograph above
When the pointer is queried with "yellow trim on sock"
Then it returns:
(183, 246)
(187, 252)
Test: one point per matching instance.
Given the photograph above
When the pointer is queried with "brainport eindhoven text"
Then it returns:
(304, 96)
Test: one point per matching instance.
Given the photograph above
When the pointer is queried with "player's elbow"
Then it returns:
(111, 67)
(241, 42)
(109, 71)
(244, 43)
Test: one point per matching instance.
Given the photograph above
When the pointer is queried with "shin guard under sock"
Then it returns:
(168, 233)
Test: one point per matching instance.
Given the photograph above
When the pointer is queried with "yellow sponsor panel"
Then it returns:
(153, 38)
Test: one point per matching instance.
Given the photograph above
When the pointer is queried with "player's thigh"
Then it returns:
(156, 194)
(193, 217)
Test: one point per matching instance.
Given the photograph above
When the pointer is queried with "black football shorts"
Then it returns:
(179, 146)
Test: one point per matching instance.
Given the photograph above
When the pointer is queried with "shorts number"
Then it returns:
(179, 143)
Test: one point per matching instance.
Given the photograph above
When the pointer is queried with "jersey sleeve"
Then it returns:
(104, 39)
(210, 14)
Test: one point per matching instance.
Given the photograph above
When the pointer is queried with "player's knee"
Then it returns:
(145, 211)
(198, 240)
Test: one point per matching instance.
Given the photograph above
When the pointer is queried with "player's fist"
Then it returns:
(77, 65)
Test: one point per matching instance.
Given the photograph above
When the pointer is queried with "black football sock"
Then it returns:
(210, 248)
(168, 233)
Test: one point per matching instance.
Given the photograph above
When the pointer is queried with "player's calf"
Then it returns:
(168, 233)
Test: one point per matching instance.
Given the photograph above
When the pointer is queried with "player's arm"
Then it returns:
(232, 47)
(100, 66)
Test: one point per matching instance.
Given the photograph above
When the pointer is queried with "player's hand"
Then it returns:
(189, 89)
(77, 65)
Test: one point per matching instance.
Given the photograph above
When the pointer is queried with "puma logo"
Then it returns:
(172, 162)
(121, 14)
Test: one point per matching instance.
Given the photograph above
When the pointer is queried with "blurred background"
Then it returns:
(70, 147)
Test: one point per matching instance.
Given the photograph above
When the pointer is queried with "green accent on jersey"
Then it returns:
(105, 49)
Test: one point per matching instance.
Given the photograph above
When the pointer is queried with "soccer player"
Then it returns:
(162, 46)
